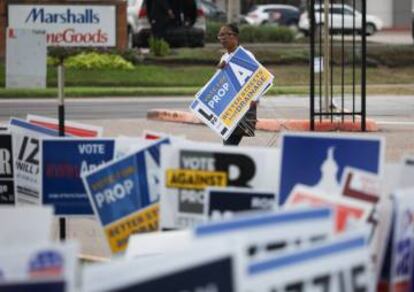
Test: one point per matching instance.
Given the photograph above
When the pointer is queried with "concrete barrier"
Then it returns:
(271, 125)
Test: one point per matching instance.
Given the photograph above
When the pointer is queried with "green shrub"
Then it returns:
(159, 47)
(393, 55)
(212, 30)
(97, 61)
(132, 55)
(250, 33)
(266, 33)
(52, 61)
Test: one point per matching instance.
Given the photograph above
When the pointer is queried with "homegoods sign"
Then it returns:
(68, 25)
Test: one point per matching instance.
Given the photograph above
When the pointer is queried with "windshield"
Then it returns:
(253, 8)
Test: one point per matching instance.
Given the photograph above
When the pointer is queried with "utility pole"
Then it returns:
(233, 10)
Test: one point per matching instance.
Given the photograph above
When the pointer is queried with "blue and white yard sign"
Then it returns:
(227, 96)
(319, 160)
(26, 152)
(341, 263)
(398, 267)
(14, 122)
(123, 194)
(126, 185)
(63, 163)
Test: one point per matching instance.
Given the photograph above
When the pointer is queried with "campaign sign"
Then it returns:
(26, 152)
(224, 203)
(15, 124)
(202, 267)
(366, 188)
(4, 128)
(187, 170)
(227, 96)
(361, 185)
(318, 160)
(124, 192)
(6, 170)
(407, 172)
(16, 229)
(339, 264)
(348, 213)
(63, 163)
(210, 276)
(72, 128)
(23, 266)
(34, 285)
(398, 266)
(261, 235)
(158, 243)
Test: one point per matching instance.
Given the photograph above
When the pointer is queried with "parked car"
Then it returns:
(412, 24)
(273, 13)
(212, 11)
(373, 23)
(178, 33)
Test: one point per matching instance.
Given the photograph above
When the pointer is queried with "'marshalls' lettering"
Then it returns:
(40, 15)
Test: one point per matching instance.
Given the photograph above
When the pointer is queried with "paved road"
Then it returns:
(392, 37)
(381, 108)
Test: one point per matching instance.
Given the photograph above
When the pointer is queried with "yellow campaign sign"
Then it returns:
(144, 220)
(195, 179)
(255, 84)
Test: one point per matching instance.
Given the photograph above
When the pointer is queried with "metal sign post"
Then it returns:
(326, 54)
(61, 114)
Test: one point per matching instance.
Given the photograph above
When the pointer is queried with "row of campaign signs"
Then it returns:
(320, 212)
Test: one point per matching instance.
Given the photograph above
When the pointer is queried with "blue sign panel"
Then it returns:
(126, 185)
(264, 220)
(64, 161)
(317, 160)
(226, 84)
(222, 103)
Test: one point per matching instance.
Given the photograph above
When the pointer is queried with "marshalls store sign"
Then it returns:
(70, 26)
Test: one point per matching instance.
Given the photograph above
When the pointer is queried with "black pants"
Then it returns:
(233, 140)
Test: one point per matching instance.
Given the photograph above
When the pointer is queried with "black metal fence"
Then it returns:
(337, 61)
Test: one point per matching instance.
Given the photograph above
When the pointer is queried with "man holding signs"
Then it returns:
(229, 39)
(227, 103)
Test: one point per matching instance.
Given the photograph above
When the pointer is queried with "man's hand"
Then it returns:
(221, 65)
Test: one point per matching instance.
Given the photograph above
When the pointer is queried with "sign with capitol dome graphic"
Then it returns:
(68, 25)
(319, 160)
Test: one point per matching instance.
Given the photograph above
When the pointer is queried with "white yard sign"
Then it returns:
(187, 170)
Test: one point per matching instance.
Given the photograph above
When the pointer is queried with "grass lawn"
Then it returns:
(187, 70)
(79, 92)
(197, 76)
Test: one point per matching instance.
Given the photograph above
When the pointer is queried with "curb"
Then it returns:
(271, 125)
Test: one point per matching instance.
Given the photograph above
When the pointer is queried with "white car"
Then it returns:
(339, 14)
(177, 34)
(262, 14)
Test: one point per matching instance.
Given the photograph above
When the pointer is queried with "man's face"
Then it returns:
(227, 38)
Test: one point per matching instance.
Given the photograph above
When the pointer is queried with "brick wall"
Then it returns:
(121, 25)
